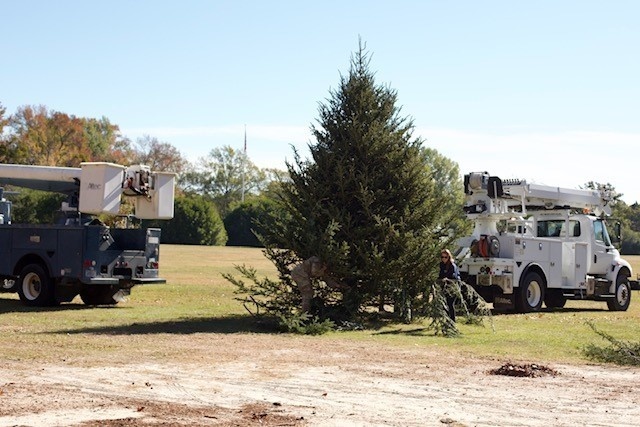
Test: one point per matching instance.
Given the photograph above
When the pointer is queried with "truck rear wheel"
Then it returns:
(622, 298)
(98, 295)
(530, 294)
(35, 287)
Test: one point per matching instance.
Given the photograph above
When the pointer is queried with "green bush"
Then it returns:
(630, 243)
(195, 222)
(35, 207)
(248, 220)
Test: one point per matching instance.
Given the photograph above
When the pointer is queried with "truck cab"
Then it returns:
(588, 229)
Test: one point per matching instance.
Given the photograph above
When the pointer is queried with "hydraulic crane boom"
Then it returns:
(491, 195)
(46, 178)
(99, 186)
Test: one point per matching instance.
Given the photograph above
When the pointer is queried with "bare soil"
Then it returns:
(281, 380)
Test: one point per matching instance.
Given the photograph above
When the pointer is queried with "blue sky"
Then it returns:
(547, 91)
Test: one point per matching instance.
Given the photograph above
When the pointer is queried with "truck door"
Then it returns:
(602, 256)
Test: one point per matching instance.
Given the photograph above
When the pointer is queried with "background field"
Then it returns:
(197, 299)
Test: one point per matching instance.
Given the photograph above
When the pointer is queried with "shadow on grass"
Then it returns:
(10, 305)
(574, 310)
(225, 325)
(185, 326)
(419, 332)
(546, 310)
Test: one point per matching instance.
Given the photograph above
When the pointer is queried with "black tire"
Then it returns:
(530, 294)
(35, 287)
(622, 298)
(554, 298)
(98, 295)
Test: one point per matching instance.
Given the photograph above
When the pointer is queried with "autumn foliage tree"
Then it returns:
(48, 138)
(158, 155)
(38, 136)
(105, 141)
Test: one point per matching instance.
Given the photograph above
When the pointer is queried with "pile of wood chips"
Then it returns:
(530, 370)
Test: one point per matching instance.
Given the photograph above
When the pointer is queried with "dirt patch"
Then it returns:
(267, 380)
(175, 414)
(530, 370)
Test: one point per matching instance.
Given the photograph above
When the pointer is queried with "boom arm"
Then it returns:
(491, 195)
(46, 178)
(100, 186)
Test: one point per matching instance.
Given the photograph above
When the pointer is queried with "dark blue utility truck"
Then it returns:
(79, 254)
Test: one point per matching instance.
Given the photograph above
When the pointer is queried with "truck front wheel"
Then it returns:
(622, 298)
(35, 287)
(530, 294)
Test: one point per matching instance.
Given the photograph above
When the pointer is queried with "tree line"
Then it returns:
(210, 208)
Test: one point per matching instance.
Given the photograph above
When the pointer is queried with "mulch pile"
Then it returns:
(530, 370)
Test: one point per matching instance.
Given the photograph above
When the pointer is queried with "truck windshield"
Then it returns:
(601, 233)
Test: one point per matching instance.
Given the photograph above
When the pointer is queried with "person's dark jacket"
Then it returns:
(449, 270)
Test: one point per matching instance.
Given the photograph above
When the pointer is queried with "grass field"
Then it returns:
(196, 299)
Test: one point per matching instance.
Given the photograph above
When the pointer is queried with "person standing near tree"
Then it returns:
(449, 274)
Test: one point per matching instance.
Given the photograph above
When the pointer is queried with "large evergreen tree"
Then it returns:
(368, 202)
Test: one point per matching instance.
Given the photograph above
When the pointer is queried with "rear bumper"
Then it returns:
(124, 283)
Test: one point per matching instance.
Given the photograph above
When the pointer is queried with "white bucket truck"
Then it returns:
(535, 244)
